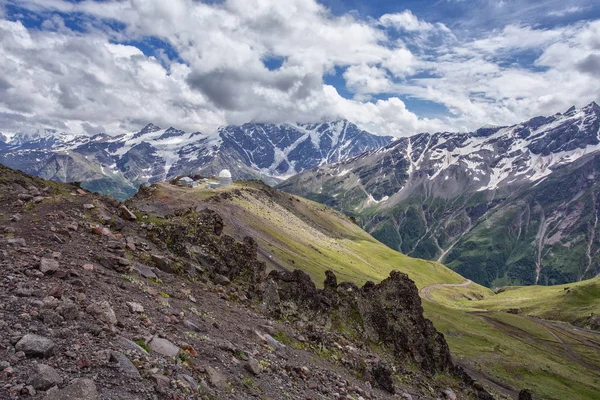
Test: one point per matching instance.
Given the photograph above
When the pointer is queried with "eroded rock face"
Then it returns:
(198, 236)
(389, 313)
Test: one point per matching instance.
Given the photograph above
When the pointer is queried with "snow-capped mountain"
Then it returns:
(501, 205)
(119, 164)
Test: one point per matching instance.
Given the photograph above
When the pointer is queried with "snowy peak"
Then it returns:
(491, 158)
(254, 150)
(149, 129)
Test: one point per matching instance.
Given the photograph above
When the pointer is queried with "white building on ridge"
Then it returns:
(225, 178)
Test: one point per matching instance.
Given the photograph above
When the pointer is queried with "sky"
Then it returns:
(392, 67)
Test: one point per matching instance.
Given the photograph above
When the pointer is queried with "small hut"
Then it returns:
(187, 181)
(225, 178)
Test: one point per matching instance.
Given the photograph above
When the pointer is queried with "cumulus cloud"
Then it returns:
(210, 67)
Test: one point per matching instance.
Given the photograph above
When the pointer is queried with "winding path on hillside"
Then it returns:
(556, 331)
(426, 291)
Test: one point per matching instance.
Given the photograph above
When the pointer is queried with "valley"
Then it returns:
(484, 334)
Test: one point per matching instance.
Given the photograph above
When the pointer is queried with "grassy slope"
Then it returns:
(522, 350)
(572, 303)
(509, 349)
(293, 232)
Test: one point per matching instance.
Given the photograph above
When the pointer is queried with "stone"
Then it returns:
(253, 366)
(125, 213)
(17, 242)
(162, 382)
(130, 345)
(188, 381)
(130, 243)
(103, 312)
(88, 206)
(525, 394)
(162, 263)
(216, 378)
(125, 365)
(48, 265)
(35, 345)
(68, 310)
(144, 271)
(78, 389)
(163, 346)
(221, 280)
(449, 394)
(88, 267)
(44, 378)
(25, 197)
(192, 326)
(114, 262)
(135, 307)
(383, 377)
(38, 199)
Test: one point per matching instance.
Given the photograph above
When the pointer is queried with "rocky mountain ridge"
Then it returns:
(100, 301)
(118, 165)
(501, 205)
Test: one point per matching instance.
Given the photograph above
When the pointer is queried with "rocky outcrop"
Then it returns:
(198, 237)
(388, 313)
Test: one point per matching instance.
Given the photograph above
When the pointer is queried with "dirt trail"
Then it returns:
(489, 381)
(553, 330)
(426, 291)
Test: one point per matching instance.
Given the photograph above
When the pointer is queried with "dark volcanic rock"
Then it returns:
(389, 313)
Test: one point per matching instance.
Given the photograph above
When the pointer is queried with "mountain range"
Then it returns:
(502, 205)
(511, 205)
(119, 164)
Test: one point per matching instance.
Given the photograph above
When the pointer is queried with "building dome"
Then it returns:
(225, 178)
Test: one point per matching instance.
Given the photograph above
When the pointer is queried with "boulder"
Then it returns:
(163, 346)
(135, 307)
(125, 366)
(35, 345)
(144, 270)
(126, 214)
(253, 366)
(48, 265)
(382, 376)
(163, 263)
(216, 378)
(221, 280)
(525, 394)
(103, 312)
(78, 389)
(44, 378)
(449, 394)
(17, 242)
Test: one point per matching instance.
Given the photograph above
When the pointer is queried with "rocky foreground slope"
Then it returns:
(99, 302)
